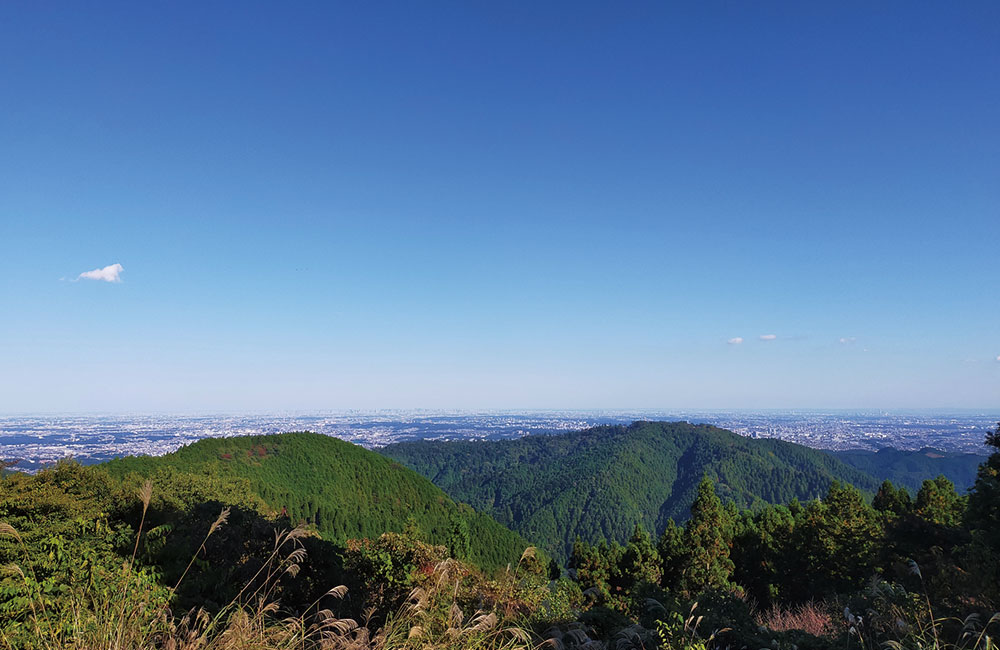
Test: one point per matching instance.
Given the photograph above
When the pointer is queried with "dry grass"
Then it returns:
(810, 617)
(433, 618)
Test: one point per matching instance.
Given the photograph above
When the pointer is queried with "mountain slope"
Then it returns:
(910, 468)
(601, 482)
(345, 490)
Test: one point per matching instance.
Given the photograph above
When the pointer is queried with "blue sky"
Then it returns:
(499, 205)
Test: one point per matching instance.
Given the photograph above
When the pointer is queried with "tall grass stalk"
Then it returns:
(138, 617)
(145, 494)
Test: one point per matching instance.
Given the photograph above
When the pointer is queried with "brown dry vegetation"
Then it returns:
(810, 617)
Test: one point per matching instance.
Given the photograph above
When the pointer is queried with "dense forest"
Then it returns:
(909, 468)
(599, 483)
(341, 489)
(222, 545)
(648, 473)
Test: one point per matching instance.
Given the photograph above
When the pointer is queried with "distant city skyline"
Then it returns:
(35, 441)
(520, 207)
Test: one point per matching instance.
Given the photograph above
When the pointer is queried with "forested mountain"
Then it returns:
(599, 483)
(346, 491)
(910, 468)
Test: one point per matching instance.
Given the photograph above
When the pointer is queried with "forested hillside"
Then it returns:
(346, 491)
(910, 468)
(599, 483)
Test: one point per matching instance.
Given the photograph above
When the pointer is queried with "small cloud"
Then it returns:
(767, 337)
(998, 358)
(845, 340)
(110, 273)
(735, 340)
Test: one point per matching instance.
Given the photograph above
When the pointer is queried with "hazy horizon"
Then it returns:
(930, 410)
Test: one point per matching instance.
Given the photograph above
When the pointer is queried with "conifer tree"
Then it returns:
(708, 563)
(836, 542)
(411, 529)
(641, 562)
(459, 540)
(939, 503)
(760, 552)
(891, 500)
(984, 519)
(984, 499)
(672, 556)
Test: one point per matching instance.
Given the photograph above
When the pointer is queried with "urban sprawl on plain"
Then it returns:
(37, 440)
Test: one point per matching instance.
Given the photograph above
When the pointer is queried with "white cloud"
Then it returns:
(998, 358)
(735, 341)
(110, 273)
(848, 339)
(768, 337)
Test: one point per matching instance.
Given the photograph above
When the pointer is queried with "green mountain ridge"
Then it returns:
(346, 491)
(909, 468)
(599, 483)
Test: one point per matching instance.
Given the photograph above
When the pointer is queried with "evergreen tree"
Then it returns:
(411, 529)
(939, 503)
(835, 543)
(891, 500)
(641, 561)
(459, 540)
(672, 556)
(984, 499)
(598, 567)
(587, 567)
(708, 563)
(760, 552)
(984, 520)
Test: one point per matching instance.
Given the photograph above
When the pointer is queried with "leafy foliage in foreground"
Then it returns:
(93, 561)
(135, 612)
